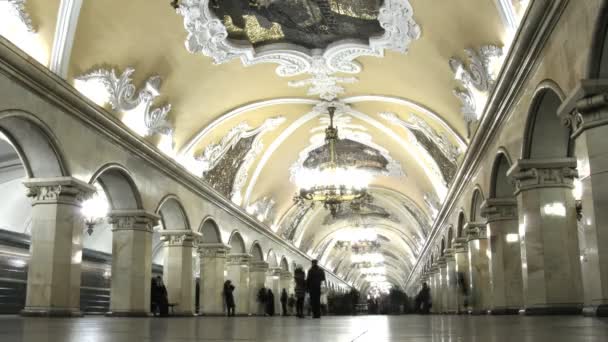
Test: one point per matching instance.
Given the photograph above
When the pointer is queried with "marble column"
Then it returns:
(435, 289)
(586, 113)
(461, 257)
(131, 262)
(505, 255)
(213, 266)
(443, 284)
(273, 282)
(178, 269)
(53, 278)
(451, 281)
(480, 292)
(237, 267)
(548, 236)
(257, 280)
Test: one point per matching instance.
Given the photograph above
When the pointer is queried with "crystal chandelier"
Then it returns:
(332, 183)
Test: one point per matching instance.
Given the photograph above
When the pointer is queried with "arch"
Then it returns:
(476, 202)
(450, 236)
(284, 264)
(236, 243)
(35, 144)
(545, 135)
(500, 184)
(210, 231)
(119, 186)
(256, 252)
(172, 214)
(460, 225)
(598, 57)
(271, 258)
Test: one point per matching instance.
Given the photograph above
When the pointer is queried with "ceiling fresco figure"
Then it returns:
(313, 24)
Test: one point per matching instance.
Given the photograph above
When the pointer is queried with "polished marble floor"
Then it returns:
(331, 329)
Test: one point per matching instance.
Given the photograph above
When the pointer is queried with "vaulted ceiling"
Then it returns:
(247, 102)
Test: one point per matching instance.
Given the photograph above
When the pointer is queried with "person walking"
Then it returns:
(229, 297)
(284, 298)
(315, 277)
(262, 297)
(162, 297)
(300, 280)
(270, 303)
(424, 298)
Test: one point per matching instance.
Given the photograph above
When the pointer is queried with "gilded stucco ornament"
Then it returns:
(263, 209)
(124, 97)
(208, 35)
(18, 10)
(478, 75)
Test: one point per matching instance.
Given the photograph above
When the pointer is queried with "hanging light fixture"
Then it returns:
(334, 180)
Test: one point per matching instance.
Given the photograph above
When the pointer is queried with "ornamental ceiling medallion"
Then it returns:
(318, 38)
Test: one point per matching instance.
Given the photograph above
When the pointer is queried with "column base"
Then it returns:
(596, 311)
(50, 312)
(212, 314)
(552, 310)
(128, 314)
(503, 311)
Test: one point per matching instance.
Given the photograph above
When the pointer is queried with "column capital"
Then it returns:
(286, 275)
(460, 245)
(64, 190)
(258, 266)
(475, 231)
(586, 107)
(275, 271)
(132, 220)
(213, 250)
(499, 209)
(543, 173)
(238, 259)
(448, 254)
(179, 238)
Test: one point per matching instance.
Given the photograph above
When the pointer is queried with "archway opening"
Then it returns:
(546, 137)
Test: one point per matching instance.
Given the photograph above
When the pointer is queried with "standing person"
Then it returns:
(300, 280)
(270, 303)
(424, 297)
(154, 298)
(163, 298)
(229, 297)
(291, 303)
(315, 277)
(262, 297)
(284, 298)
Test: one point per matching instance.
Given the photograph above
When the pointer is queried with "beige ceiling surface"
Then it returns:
(149, 36)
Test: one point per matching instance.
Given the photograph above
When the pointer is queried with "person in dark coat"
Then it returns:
(424, 298)
(300, 280)
(284, 298)
(229, 297)
(154, 296)
(269, 303)
(162, 297)
(313, 283)
(262, 297)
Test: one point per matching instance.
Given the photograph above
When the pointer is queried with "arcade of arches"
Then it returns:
(142, 139)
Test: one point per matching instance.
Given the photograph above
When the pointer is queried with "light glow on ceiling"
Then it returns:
(13, 29)
(357, 235)
(374, 258)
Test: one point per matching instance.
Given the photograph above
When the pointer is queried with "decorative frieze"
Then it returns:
(546, 173)
(475, 231)
(132, 220)
(213, 250)
(62, 190)
(179, 238)
(586, 107)
(499, 209)
(242, 259)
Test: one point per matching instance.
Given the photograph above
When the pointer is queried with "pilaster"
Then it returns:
(548, 235)
(53, 282)
(586, 113)
(460, 249)
(257, 280)
(273, 282)
(237, 267)
(505, 255)
(479, 272)
(213, 264)
(178, 269)
(131, 262)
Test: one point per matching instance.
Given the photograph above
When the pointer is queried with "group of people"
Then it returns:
(304, 283)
